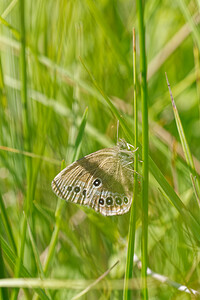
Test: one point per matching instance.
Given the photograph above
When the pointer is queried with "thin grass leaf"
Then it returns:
(186, 149)
(35, 251)
(188, 17)
(187, 217)
(9, 8)
(37, 257)
(94, 283)
(29, 154)
(177, 39)
(7, 224)
(132, 222)
(45, 212)
(145, 146)
(27, 142)
(54, 236)
(12, 29)
(3, 291)
(79, 137)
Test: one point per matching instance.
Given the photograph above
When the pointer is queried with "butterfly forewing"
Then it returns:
(101, 180)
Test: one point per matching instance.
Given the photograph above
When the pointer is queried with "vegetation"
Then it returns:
(66, 78)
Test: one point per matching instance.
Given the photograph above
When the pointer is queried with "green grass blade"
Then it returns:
(9, 8)
(80, 135)
(188, 218)
(12, 29)
(132, 222)
(35, 251)
(188, 17)
(37, 257)
(145, 146)
(3, 291)
(186, 148)
(7, 224)
(27, 143)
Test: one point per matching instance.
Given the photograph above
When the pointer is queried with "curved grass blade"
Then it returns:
(186, 148)
(94, 283)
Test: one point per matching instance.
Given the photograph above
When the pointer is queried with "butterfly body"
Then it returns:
(102, 180)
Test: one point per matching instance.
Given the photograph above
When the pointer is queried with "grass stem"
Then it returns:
(145, 142)
(27, 143)
(132, 222)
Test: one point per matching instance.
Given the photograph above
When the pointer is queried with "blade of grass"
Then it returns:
(188, 17)
(33, 155)
(188, 218)
(27, 143)
(36, 254)
(94, 283)
(132, 222)
(177, 39)
(12, 29)
(37, 257)
(7, 224)
(3, 291)
(186, 149)
(9, 8)
(80, 135)
(145, 146)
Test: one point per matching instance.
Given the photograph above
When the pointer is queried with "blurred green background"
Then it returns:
(59, 90)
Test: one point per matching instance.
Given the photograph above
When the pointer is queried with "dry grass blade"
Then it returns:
(94, 283)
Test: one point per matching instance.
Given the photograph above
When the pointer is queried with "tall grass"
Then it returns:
(133, 212)
(145, 147)
(57, 60)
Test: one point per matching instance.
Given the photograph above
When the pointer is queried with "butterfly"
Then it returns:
(102, 180)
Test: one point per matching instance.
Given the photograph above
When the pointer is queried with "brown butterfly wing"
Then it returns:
(99, 180)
